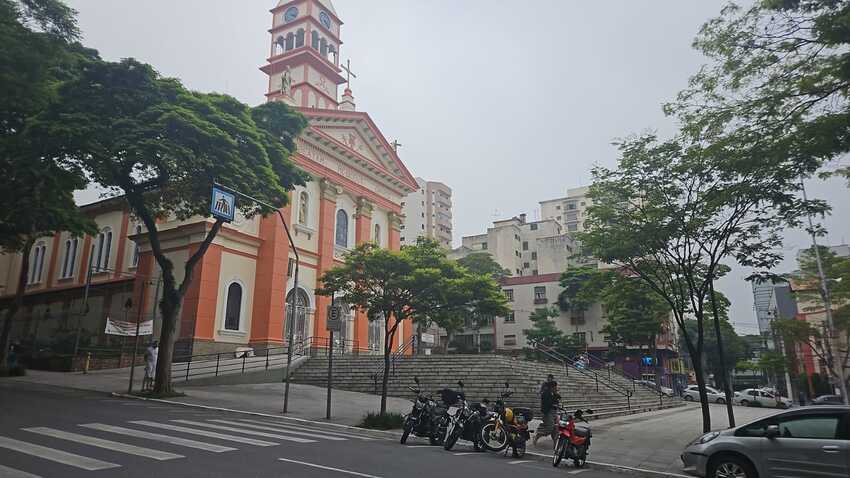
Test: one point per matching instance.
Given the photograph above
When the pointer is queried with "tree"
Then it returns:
(37, 38)
(161, 147)
(773, 363)
(778, 81)
(483, 263)
(545, 331)
(582, 287)
(418, 284)
(673, 210)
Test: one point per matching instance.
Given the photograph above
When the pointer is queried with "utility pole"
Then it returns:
(827, 302)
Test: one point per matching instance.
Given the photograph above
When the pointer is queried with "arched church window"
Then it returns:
(341, 228)
(36, 263)
(302, 302)
(324, 48)
(279, 46)
(104, 250)
(299, 38)
(290, 41)
(303, 207)
(233, 307)
(332, 54)
(314, 39)
(377, 237)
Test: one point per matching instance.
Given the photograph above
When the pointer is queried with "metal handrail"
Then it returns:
(569, 363)
(622, 374)
(379, 370)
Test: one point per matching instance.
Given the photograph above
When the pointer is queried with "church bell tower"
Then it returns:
(303, 66)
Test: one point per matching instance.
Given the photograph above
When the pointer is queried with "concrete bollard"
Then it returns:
(88, 362)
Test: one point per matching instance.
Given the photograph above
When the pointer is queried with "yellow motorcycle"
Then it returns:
(507, 427)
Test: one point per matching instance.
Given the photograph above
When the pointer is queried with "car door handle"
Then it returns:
(831, 449)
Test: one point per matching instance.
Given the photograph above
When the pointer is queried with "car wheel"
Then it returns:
(730, 466)
(688, 398)
(745, 403)
(721, 401)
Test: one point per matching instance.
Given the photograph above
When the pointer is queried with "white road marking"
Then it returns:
(306, 429)
(282, 430)
(108, 444)
(323, 467)
(53, 454)
(244, 431)
(419, 446)
(6, 472)
(466, 453)
(159, 437)
(206, 433)
(517, 462)
(576, 472)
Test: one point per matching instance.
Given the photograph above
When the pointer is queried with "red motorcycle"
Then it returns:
(573, 441)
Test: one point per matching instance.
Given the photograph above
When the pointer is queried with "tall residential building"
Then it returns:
(570, 210)
(428, 213)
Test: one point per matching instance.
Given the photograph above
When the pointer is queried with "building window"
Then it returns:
(341, 228)
(314, 39)
(70, 258)
(558, 208)
(571, 206)
(36, 263)
(377, 237)
(299, 38)
(534, 226)
(580, 337)
(402, 239)
(525, 245)
(572, 227)
(534, 272)
(303, 207)
(233, 307)
(509, 294)
(540, 295)
(533, 256)
(526, 265)
(137, 251)
(483, 246)
(103, 250)
(517, 253)
(510, 340)
(290, 267)
(510, 318)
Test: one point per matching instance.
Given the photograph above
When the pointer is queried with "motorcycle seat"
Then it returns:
(582, 432)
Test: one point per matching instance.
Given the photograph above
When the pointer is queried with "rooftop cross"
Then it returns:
(348, 73)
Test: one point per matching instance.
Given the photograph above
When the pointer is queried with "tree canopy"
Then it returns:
(483, 263)
(545, 331)
(636, 315)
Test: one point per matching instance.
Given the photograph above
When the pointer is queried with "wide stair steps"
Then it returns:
(484, 376)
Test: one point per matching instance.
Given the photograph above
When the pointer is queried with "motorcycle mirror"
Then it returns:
(460, 383)
(416, 379)
(507, 385)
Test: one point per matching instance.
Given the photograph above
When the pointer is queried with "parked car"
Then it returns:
(754, 397)
(828, 400)
(692, 394)
(650, 384)
(806, 442)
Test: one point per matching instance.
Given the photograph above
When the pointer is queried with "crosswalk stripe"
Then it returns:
(244, 431)
(291, 432)
(159, 437)
(6, 472)
(53, 454)
(108, 444)
(286, 426)
(206, 433)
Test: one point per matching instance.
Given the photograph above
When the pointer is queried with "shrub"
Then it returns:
(388, 421)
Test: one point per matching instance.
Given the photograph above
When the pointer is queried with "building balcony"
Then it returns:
(541, 300)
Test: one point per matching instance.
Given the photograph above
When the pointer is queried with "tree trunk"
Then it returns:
(656, 363)
(696, 358)
(170, 309)
(16, 304)
(388, 348)
(724, 372)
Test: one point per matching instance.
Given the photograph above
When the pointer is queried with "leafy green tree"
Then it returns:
(582, 287)
(161, 147)
(418, 284)
(483, 263)
(734, 349)
(37, 38)
(777, 87)
(673, 210)
(545, 331)
(773, 363)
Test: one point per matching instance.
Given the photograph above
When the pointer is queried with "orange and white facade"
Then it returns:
(239, 290)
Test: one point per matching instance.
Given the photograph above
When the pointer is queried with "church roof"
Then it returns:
(329, 6)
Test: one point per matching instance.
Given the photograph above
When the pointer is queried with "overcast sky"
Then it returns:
(509, 103)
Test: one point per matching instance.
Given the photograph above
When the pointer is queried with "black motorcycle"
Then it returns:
(465, 422)
(424, 420)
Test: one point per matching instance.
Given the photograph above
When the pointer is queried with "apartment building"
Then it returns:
(570, 210)
(428, 213)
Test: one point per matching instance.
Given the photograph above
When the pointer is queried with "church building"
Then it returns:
(240, 293)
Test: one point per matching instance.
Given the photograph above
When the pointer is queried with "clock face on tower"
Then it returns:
(290, 14)
(325, 19)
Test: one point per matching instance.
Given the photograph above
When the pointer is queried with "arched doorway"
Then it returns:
(343, 339)
(302, 307)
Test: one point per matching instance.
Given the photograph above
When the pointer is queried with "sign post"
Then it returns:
(223, 204)
(332, 324)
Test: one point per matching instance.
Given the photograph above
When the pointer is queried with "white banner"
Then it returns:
(427, 338)
(128, 329)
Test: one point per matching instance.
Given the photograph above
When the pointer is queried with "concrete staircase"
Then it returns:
(484, 377)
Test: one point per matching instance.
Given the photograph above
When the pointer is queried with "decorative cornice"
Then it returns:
(364, 207)
(329, 190)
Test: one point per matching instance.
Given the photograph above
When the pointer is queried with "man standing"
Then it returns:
(150, 365)
(548, 406)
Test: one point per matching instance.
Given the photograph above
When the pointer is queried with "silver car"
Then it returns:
(691, 394)
(808, 442)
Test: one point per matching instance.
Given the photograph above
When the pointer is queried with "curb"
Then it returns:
(387, 435)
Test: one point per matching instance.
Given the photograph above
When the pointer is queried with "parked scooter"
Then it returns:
(464, 422)
(507, 427)
(573, 441)
(422, 420)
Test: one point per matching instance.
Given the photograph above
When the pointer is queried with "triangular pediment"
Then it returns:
(355, 140)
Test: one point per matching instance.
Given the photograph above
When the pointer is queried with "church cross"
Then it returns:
(348, 73)
(395, 144)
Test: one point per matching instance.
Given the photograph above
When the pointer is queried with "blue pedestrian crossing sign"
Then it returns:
(223, 204)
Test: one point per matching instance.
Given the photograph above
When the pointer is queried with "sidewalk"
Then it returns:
(653, 440)
(305, 401)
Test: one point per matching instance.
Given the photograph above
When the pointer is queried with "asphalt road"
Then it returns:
(55, 432)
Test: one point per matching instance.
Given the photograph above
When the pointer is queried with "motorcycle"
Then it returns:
(464, 422)
(507, 428)
(573, 441)
(423, 419)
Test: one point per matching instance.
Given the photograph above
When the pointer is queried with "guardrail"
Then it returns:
(599, 364)
(378, 374)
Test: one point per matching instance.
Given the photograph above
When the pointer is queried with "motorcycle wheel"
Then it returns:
(560, 449)
(451, 440)
(492, 440)
(581, 457)
(406, 432)
(438, 435)
(519, 449)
